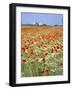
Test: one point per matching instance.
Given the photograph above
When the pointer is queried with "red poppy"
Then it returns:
(24, 60)
(46, 71)
(46, 53)
(43, 59)
(57, 47)
(42, 71)
(32, 62)
(31, 52)
(24, 49)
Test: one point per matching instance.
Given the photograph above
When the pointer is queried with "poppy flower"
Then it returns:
(24, 49)
(46, 71)
(57, 47)
(32, 62)
(46, 53)
(42, 72)
(31, 52)
(54, 47)
(43, 59)
(24, 60)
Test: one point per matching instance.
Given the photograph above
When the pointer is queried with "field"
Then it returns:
(41, 51)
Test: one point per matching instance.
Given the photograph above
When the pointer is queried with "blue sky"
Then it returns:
(44, 18)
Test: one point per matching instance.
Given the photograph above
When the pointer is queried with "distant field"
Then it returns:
(43, 28)
(41, 51)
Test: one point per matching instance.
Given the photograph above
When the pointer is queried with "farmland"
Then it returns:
(41, 51)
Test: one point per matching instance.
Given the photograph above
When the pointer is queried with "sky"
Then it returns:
(43, 18)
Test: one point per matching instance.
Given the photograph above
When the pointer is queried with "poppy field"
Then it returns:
(41, 51)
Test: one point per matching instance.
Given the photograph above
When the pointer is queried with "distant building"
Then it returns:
(38, 23)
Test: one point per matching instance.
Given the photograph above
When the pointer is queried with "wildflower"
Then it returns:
(43, 59)
(54, 47)
(57, 47)
(24, 60)
(32, 62)
(42, 71)
(25, 49)
(46, 53)
(31, 52)
(46, 71)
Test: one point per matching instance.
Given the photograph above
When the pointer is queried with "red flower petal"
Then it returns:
(32, 62)
(57, 47)
(43, 59)
(46, 53)
(42, 71)
(23, 49)
(31, 52)
(24, 60)
(46, 71)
